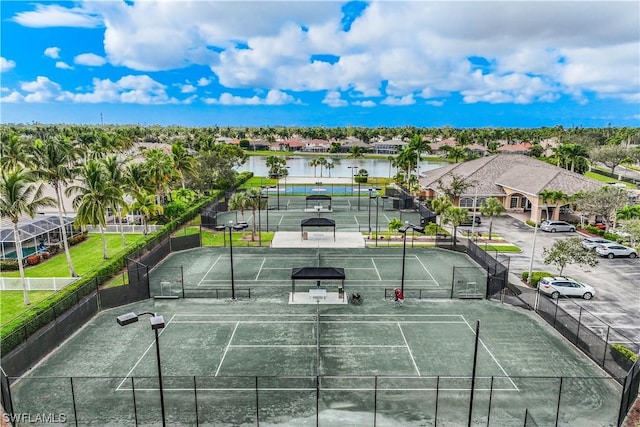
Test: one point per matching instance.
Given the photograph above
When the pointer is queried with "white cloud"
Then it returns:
(435, 103)
(395, 101)
(334, 99)
(44, 90)
(130, 89)
(402, 50)
(90, 60)
(188, 88)
(56, 16)
(14, 96)
(6, 64)
(63, 65)
(273, 97)
(366, 104)
(52, 52)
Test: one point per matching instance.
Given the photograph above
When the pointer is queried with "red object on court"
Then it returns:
(399, 294)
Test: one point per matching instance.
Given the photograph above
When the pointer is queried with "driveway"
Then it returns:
(617, 281)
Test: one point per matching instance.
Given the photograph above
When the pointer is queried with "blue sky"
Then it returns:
(323, 63)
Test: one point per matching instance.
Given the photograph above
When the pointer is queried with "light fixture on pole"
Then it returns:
(157, 322)
(404, 230)
(371, 196)
(265, 196)
(231, 227)
(353, 172)
(377, 205)
(281, 172)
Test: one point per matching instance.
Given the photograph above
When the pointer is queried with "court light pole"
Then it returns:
(377, 205)
(231, 227)
(157, 322)
(281, 172)
(353, 172)
(404, 230)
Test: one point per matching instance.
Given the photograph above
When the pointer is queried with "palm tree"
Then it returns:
(314, 163)
(53, 161)
(94, 194)
(160, 170)
(419, 145)
(545, 196)
(355, 152)
(275, 163)
(14, 152)
(439, 206)
(115, 178)
(239, 202)
(395, 224)
(321, 162)
(455, 216)
(145, 204)
(253, 201)
(328, 166)
(19, 196)
(183, 162)
(492, 207)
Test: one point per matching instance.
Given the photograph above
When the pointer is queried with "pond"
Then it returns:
(299, 166)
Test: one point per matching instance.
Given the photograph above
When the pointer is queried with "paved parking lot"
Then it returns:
(617, 281)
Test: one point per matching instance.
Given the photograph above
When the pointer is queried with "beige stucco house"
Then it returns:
(514, 179)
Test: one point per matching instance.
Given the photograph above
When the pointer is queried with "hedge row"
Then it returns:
(535, 277)
(15, 331)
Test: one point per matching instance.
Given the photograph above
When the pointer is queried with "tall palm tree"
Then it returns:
(545, 197)
(355, 152)
(492, 207)
(114, 169)
(54, 162)
(145, 204)
(160, 170)
(314, 163)
(419, 145)
(439, 206)
(253, 201)
(13, 154)
(183, 162)
(19, 196)
(240, 202)
(328, 166)
(395, 224)
(94, 194)
(455, 216)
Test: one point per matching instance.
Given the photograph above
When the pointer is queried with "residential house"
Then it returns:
(392, 146)
(514, 179)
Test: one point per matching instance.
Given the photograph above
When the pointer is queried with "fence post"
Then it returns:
(435, 415)
(490, 400)
(375, 400)
(555, 314)
(135, 406)
(317, 400)
(257, 405)
(73, 400)
(579, 321)
(559, 398)
(606, 346)
(182, 280)
(195, 399)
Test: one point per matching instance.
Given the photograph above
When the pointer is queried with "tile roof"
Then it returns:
(522, 173)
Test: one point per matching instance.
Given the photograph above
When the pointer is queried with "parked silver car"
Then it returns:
(564, 287)
(592, 242)
(553, 226)
(612, 250)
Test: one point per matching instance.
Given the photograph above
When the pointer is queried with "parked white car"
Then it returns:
(556, 287)
(612, 250)
(592, 242)
(553, 226)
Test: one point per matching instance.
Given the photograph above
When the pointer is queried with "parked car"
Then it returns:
(612, 250)
(472, 219)
(556, 287)
(600, 225)
(553, 226)
(592, 242)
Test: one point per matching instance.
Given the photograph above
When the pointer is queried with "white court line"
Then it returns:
(209, 270)
(273, 346)
(409, 349)
(492, 356)
(258, 275)
(376, 267)
(244, 390)
(281, 218)
(427, 270)
(143, 354)
(226, 349)
(386, 217)
(388, 322)
(624, 327)
(361, 346)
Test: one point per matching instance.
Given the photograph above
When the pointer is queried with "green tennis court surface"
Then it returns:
(236, 363)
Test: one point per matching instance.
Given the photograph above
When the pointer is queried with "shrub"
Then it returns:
(9, 265)
(53, 248)
(535, 277)
(624, 352)
(594, 230)
(45, 255)
(33, 259)
(77, 239)
(530, 223)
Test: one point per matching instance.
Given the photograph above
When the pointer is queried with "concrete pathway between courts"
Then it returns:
(316, 239)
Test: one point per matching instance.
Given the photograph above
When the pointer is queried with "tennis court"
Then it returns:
(264, 361)
(428, 272)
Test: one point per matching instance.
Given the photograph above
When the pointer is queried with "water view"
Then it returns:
(299, 166)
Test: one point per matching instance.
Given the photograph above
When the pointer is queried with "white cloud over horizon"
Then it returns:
(6, 64)
(395, 53)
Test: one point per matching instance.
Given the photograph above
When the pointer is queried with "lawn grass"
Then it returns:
(603, 178)
(86, 256)
(11, 303)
